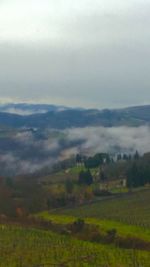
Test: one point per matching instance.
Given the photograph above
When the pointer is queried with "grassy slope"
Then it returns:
(30, 247)
(104, 225)
(133, 209)
(130, 215)
(70, 173)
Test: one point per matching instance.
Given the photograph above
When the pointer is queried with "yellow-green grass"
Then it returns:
(77, 169)
(103, 224)
(131, 209)
(32, 247)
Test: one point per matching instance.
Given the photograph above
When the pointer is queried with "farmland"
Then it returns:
(75, 217)
(132, 209)
(126, 216)
(21, 247)
(104, 225)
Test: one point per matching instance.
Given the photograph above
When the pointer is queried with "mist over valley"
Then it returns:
(29, 143)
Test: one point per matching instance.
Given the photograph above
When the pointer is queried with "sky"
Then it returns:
(87, 53)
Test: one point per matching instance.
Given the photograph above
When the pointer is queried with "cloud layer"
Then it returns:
(112, 140)
(82, 53)
(26, 152)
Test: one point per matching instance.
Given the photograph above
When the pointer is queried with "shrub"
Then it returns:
(78, 225)
(111, 234)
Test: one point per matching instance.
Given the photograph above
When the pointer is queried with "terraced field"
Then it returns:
(32, 247)
(132, 209)
(25, 247)
(104, 225)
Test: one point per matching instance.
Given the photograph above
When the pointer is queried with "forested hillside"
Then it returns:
(61, 119)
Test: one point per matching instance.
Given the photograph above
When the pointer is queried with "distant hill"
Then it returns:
(28, 109)
(61, 117)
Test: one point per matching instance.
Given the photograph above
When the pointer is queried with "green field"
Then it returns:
(25, 247)
(132, 209)
(63, 175)
(129, 215)
(104, 225)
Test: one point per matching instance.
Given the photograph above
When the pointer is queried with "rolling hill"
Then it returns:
(68, 118)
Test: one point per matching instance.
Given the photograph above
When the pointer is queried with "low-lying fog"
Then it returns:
(27, 152)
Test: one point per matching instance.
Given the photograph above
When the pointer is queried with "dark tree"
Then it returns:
(119, 157)
(125, 157)
(136, 155)
(103, 176)
(85, 177)
(78, 158)
(97, 160)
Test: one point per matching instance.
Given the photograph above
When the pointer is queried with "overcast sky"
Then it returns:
(89, 53)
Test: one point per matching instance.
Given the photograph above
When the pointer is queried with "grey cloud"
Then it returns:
(29, 155)
(13, 165)
(102, 77)
(100, 60)
(112, 140)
